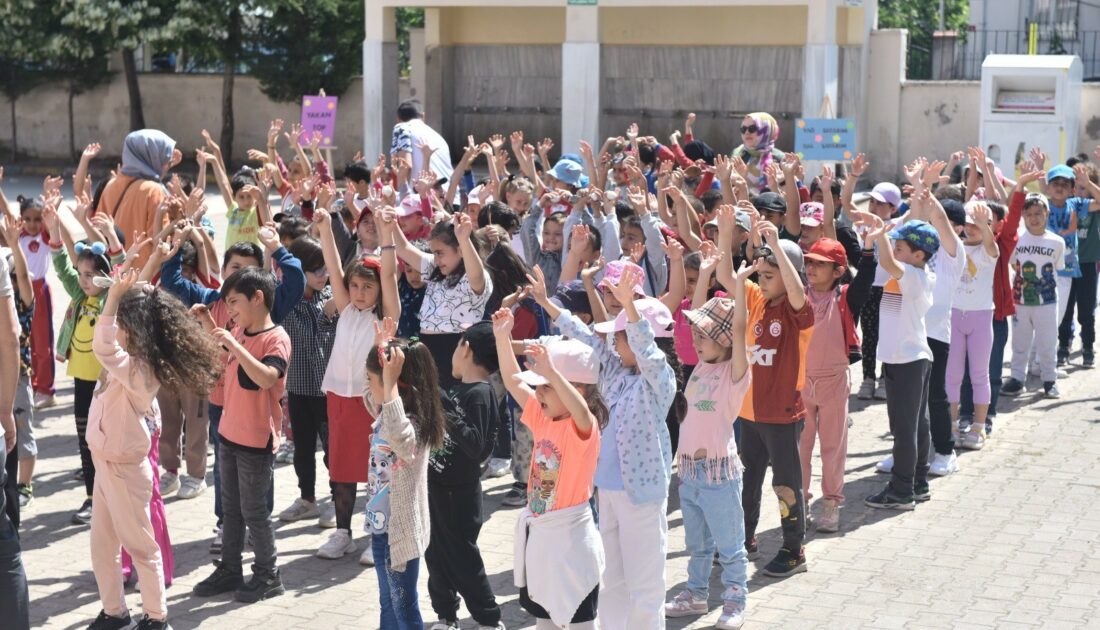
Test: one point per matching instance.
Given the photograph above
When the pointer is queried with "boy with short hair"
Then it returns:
(1063, 210)
(1082, 293)
(259, 352)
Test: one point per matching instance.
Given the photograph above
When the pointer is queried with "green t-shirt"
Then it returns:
(1088, 234)
(242, 225)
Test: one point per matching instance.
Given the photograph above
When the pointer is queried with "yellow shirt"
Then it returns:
(242, 225)
(82, 362)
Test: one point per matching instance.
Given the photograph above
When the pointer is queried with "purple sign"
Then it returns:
(319, 114)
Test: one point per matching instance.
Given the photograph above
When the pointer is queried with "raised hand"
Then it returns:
(673, 249)
(539, 361)
(624, 290)
(464, 228)
(295, 135)
(384, 332)
(538, 285)
(632, 132)
(588, 274)
(496, 141)
(503, 320)
(392, 363)
(90, 151)
(637, 253)
(859, 165)
(273, 131)
(579, 237)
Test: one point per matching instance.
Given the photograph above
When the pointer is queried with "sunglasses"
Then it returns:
(750, 129)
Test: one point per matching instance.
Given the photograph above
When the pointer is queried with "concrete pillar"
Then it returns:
(820, 66)
(416, 63)
(580, 78)
(380, 30)
(884, 78)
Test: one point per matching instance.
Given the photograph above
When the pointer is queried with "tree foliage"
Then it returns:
(921, 18)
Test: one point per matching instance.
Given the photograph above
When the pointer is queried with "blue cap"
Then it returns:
(919, 234)
(567, 171)
(572, 297)
(573, 157)
(1060, 171)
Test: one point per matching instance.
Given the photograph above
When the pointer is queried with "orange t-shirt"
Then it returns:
(776, 338)
(251, 413)
(133, 207)
(563, 462)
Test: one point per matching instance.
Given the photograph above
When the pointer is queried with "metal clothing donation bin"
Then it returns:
(1029, 101)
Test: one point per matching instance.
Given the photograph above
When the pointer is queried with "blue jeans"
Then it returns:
(713, 516)
(996, 367)
(215, 421)
(396, 589)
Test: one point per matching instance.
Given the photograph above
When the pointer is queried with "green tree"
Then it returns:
(24, 32)
(78, 57)
(922, 18)
(406, 18)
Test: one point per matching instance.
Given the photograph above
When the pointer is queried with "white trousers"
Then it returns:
(1064, 284)
(1035, 328)
(635, 541)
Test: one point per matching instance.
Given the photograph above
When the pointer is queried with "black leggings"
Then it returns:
(868, 324)
(308, 421)
(82, 402)
(343, 499)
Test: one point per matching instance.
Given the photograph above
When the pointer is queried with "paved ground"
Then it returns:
(1012, 540)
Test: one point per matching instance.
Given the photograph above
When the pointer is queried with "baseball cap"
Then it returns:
(956, 212)
(714, 319)
(567, 171)
(409, 206)
(886, 193)
(828, 250)
(769, 202)
(650, 309)
(574, 360)
(474, 196)
(572, 297)
(614, 270)
(1060, 171)
(919, 234)
(811, 214)
(744, 221)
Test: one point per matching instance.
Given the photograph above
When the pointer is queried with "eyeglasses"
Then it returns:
(750, 129)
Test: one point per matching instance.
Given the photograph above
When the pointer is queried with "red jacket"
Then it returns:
(1003, 305)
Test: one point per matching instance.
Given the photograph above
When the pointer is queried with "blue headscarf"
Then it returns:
(146, 152)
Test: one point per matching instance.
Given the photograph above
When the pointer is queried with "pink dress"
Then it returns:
(157, 517)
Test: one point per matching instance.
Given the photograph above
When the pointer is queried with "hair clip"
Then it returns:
(371, 262)
(97, 248)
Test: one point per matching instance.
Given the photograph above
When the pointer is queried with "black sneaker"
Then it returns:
(83, 516)
(261, 586)
(1050, 390)
(1063, 356)
(1012, 387)
(921, 491)
(752, 548)
(516, 497)
(889, 501)
(786, 563)
(152, 624)
(989, 426)
(222, 580)
(107, 622)
(1088, 359)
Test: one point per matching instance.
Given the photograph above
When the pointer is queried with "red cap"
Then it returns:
(828, 250)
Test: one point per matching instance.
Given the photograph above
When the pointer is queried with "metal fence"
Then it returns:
(960, 57)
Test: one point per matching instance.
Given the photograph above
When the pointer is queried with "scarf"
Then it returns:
(145, 153)
(759, 157)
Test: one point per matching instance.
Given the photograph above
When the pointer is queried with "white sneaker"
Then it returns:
(367, 558)
(443, 624)
(498, 467)
(732, 617)
(685, 605)
(339, 544)
(169, 483)
(44, 401)
(298, 510)
(499, 626)
(829, 522)
(973, 440)
(327, 520)
(285, 454)
(943, 465)
(190, 487)
(867, 389)
(886, 466)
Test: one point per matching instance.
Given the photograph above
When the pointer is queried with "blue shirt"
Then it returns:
(1058, 221)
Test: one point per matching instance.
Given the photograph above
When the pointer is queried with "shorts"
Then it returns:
(25, 444)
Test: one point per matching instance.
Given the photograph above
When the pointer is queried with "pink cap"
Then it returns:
(614, 270)
(650, 309)
(811, 214)
(574, 360)
(409, 206)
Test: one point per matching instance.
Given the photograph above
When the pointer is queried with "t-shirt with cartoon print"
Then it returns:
(1035, 260)
(382, 461)
(563, 461)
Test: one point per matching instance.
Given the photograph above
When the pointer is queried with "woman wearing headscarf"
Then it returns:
(132, 196)
(759, 131)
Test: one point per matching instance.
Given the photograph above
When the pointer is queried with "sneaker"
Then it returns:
(516, 497)
(339, 544)
(829, 523)
(190, 487)
(1088, 359)
(299, 510)
(327, 519)
(367, 557)
(685, 605)
(444, 624)
(1012, 387)
(880, 392)
(921, 491)
(499, 626)
(44, 401)
(26, 494)
(867, 389)
(169, 483)
(786, 563)
(222, 580)
(886, 466)
(887, 500)
(972, 441)
(732, 617)
(147, 623)
(752, 548)
(107, 622)
(498, 467)
(285, 454)
(83, 516)
(943, 465)
(261, 586)
(1063, 356)
(1050, 390)
(216, 544)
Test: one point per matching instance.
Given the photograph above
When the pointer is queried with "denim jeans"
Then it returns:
(713, 516)
(14, 602)
(215, 421)
(243, 473)
(996, 368)
(396, 589)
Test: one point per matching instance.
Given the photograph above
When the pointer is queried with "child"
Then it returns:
(144, 339)
(1062, 220)
(411, 287)
(773, 414)
(259, 351)
(34, 241)
(639, 371)
(833, 346)
(543, 240)
(906, 357)
(971, 332)
(362, 294)
(1083, 290)
(558, 556)
(245, 202)
(710, 470)
(455, 567)
(1038, 254)
(402, 392)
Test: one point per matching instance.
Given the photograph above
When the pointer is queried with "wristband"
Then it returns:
(385, 247)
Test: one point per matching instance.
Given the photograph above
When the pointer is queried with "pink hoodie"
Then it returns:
(116, 421)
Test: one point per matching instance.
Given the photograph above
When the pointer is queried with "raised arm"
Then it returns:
(796, 292)
(509, 367)
(332, 259)
(539, 361)
(475, 268)
(220, 176)
(739, 360)
(858, 167)
(677, 275)
(11, 227)
(825, 184)
(386, 224)
(86, 157)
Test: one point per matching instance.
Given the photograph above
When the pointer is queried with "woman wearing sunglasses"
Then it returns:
(759, 131)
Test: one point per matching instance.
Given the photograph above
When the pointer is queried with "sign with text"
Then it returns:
(826, 139)
(319, 115)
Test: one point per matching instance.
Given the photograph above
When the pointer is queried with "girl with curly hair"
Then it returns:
(144, 339)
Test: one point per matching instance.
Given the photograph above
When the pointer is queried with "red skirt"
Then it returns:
(349, 430)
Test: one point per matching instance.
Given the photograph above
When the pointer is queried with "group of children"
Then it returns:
(593, 325)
